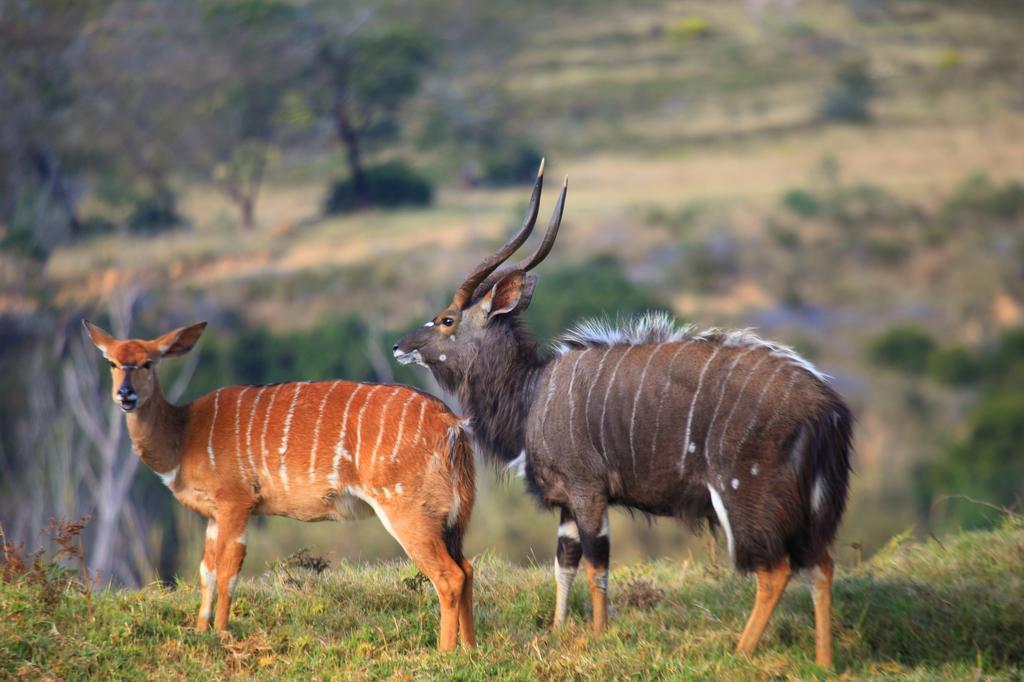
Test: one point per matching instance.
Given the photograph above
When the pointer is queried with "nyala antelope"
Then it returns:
(310, 451)
(715, 426)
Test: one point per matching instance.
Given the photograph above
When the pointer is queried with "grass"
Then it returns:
(939, 610)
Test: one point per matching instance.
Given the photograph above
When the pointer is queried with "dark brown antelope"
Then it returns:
(715, 426)
(311, 451)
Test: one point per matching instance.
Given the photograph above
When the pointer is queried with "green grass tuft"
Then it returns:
(947, 610)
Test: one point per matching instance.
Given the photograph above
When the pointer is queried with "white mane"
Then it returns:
(660, 327)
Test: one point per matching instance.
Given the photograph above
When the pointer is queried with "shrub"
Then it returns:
(390, 185)
(154, 213)
(902, 348)
(978, 197)
(851, 94)
(598, 288)
(511, 163)
(953, 366)
(802, 203)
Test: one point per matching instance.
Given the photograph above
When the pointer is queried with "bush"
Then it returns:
(390, 185)
(979, 198)
(802, 203)
(94, 226)
(154, 213)
(850, 98)
(953, 366)
(512, 163)
(902, 348)
(591, 290)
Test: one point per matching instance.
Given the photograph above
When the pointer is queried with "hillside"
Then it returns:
(946, 609)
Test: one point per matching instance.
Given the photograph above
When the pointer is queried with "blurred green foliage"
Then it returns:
(597, 288)
(852, 92)
(903, 348)
(392, 184)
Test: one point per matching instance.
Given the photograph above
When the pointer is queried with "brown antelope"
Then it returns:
(715, 426)
(310, 451)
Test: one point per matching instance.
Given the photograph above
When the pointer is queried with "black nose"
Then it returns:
(394, 347)
(123, 391)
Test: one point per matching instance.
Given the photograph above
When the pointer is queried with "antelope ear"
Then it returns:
(100, 338)
(512, 293)
(180, 341)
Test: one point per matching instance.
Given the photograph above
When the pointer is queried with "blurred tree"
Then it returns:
(904, 348)
(38, 162)
(362, 76)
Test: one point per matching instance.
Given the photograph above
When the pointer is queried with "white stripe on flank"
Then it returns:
(607, 392)
(266, 423)
(547, 403)
(757, 408)
(359, 422)
(248, 431)
(739, 398)
(238, 432)
(661, 400)
(401, 426)
(693, 403)
(419, 424)
(281, 468)
(382, 422)
(572, 401)
(213, 424)
(723, 517)
(718, 405)
(339, 448)
(316, 429)
(586, 417)
(636, 402)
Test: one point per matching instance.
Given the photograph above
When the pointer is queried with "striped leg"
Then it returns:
(770, 586)
(821, 591)
(208, 575)
(596, 546)
(567, 562)
(230, 555)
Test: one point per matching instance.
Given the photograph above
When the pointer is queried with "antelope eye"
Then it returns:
(147, 364)
(447, 321)
(111, 363)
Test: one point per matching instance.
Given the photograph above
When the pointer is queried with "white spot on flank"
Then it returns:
(569, 530)
(168, 477)
(442, 357)
(316, 430)
(753, 470)
(735, 483)
(213, 425)
(692, 448)
(693, 403)
(723, 516)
